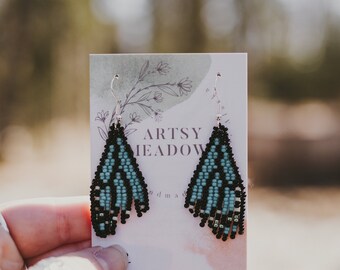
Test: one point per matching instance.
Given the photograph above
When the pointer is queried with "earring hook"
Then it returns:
(118, 116)
(219, 113)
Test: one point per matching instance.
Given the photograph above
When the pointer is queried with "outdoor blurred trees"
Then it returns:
(44, 47)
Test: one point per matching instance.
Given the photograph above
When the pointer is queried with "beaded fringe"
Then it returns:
(117, 182)
(216, 192)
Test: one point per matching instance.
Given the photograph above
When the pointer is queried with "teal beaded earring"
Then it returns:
(117, 182)
(216, 192)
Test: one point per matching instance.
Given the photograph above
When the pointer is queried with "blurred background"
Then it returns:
(294, 98)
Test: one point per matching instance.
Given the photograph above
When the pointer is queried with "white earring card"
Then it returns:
(169, 110)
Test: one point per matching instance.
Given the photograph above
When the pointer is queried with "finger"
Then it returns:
(10, 258)
(59, 251)
(42, 225)
(97, 258)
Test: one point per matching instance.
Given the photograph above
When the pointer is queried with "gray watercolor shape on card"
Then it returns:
(148, 84)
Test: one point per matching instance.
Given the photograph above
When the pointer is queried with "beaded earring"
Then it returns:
(117, 181)
(216, 193)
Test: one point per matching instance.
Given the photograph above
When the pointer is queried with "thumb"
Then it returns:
(96, 258)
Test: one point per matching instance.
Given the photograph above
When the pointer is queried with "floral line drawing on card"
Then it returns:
(145, 96)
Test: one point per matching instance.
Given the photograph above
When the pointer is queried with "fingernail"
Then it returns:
(120, 249)
(113, 257)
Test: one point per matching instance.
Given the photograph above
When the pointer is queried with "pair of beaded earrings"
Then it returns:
(216, 192)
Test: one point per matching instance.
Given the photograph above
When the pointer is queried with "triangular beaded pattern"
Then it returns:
(216, 192)
(117, 182)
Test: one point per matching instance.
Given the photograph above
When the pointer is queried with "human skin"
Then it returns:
(47, 233)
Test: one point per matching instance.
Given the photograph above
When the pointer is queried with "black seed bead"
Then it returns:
(219, 234)
(214, 230)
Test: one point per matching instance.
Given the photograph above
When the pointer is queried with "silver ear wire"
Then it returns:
(118, 116)
(219, 112)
